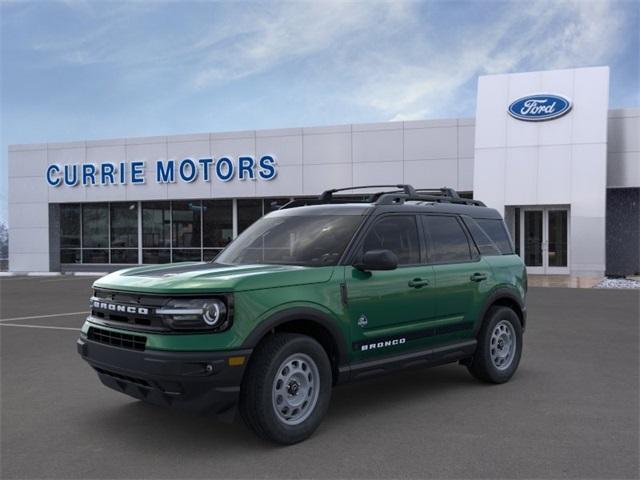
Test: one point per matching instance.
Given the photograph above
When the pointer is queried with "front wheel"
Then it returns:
(286, 389)
(499, 346)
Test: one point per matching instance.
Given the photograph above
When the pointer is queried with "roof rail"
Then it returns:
(402, 194)
(296, 202)
(398, 198)
(327, 195)
(440, 195)
(445, 191)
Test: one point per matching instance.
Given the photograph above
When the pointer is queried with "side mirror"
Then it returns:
(377, 260)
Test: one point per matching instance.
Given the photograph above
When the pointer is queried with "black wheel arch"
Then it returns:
(308, 321)
(507, 298)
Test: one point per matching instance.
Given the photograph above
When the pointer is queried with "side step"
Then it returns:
(423, 358)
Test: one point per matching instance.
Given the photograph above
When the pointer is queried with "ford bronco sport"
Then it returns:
(310, 297)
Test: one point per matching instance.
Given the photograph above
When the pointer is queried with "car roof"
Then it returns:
(365, 208)
(325, 209)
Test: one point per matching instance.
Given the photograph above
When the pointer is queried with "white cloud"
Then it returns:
(390, 57)
(286, 32)
(537, 35)
(220, 40)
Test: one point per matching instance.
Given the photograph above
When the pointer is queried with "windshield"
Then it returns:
(314, 240)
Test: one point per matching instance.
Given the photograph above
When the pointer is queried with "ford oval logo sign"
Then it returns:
(536, 108)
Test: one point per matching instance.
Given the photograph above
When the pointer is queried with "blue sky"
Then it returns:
(75, 70)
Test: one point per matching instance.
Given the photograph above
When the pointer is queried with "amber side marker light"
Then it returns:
(236, 361)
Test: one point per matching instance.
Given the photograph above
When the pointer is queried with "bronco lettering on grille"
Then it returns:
(114, 307)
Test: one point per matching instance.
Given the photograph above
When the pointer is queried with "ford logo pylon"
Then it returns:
(540, 107)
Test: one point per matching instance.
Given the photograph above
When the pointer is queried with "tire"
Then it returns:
(286, 389)
(499, 346)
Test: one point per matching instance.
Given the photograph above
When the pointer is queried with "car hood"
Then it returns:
(197, 277)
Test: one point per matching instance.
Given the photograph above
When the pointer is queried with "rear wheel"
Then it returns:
(499, 346)
(286, 389)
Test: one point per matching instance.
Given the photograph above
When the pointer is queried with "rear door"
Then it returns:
(386, 307)
(461, 276)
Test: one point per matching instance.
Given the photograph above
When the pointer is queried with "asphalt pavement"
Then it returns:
(571, 411)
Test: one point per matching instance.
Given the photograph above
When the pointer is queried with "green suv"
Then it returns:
(313, 296)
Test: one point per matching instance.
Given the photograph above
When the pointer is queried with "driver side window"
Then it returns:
(397, 233)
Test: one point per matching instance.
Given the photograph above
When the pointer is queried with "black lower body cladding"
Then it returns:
(202, 382)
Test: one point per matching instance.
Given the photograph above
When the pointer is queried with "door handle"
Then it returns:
(478, 277)
(418, 282)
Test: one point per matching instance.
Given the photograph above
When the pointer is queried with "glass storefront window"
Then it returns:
(156, 255)
(70, 226)
(124, 225)
(217, 222)
(272, 204)
(249, 210)
(95, 256)
(186, 223)
(172, 231)
(558, 238)
(209, 254)
(186, 255)
(156, 224)
(70, 255)
(95, 225)
(124, 255)
(533, 236)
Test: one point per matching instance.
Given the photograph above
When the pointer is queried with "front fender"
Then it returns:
(315, 313)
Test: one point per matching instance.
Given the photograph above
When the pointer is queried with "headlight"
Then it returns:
(213, 312)
(195, 314)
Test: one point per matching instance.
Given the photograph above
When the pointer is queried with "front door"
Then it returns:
(544, 234)
(387, 308)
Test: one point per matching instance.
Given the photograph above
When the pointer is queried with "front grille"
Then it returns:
(147, 321)
(117, 339)
(130, 319)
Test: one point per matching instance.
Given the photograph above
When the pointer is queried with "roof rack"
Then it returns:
(327, 195)
(446, 191)
(443, 195)
(402, 193)
(409, 193)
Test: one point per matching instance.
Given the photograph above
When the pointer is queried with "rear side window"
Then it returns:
(484, 243)
(447, 241)
(396, 233)
(497, 232)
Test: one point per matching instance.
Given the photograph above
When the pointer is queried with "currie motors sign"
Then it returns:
(540, 107)
(188, 170)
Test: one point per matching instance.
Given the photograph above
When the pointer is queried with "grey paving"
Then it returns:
(570, 412)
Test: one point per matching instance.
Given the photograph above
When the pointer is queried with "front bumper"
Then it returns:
(202, 382)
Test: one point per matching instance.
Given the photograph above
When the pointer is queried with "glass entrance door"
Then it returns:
(544, 235)
(533, 239)
(557, 241)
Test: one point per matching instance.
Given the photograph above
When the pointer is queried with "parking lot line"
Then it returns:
(36, 317)
(38, 326)
(15, 279)
(64, 279)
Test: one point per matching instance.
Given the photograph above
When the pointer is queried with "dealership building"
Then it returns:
(544, 149)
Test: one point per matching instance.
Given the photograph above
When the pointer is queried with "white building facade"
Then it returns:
(544, 149)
